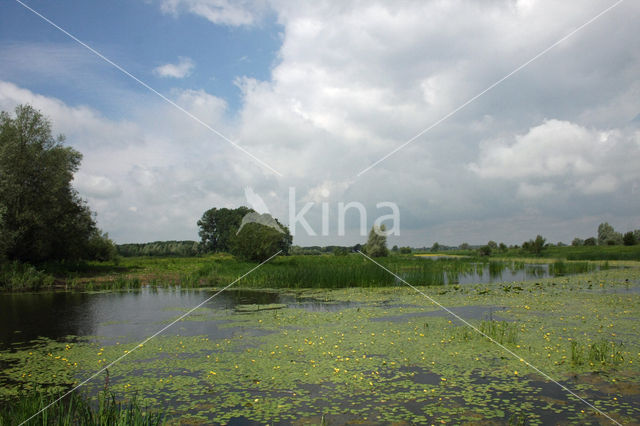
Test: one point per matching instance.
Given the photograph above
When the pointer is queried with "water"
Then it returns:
(130, 315)
(493, 272)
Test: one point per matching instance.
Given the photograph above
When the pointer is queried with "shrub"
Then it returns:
(21, 276)
(629, 239)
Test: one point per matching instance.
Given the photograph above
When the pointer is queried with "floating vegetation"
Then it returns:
(384, 355)
(255, 308)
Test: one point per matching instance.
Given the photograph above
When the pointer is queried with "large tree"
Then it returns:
(258, 241)
(377, 243)
(218, 226)
(42, 216)
(608, 236)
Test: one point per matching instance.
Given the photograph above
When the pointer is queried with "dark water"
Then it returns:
(129, 315)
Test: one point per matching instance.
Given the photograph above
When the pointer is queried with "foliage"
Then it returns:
(608, 236)
(534, 246)
(629, 239)
(493, 245)
(43, 218)
(77, 409)
(18, 276)
(405, 250)
(577, 242)
(161, 248)
(484, 251)
(101, 248)
(256, 242)
(435, 247)
(591, 241)
(377, 243)
(218, 226)
(341, 251)
(464, 246)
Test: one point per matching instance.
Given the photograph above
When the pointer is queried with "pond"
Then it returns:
(133, 315)
(378, 355)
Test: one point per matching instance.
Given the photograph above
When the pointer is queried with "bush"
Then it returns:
(590, 241)
(21, 276)
(484, 251)
(629, 239)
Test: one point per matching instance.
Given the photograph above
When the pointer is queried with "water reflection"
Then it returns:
(130, 315)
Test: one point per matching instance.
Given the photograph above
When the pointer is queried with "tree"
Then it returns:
(395, 249)
(503, 247)
(405, 250)
(484, 250)
(577, 242)
(256, 242)
(43, 217)
(377, 243)
(493, 245)
(591, 241)
(608, 236)
(464, 246)
(217, 227)
(435, 246)
(534, 246)
(629, 239)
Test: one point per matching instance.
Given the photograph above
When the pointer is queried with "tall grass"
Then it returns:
(76, 409)
(601, 352)
(18, 276)
(331, 272)
(501, 331)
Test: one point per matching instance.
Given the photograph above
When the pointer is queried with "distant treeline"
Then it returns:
(161, 248)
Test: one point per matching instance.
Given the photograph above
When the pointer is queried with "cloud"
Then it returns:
(554, 145)
(225, 12)
(180, 70)
(589, 160)
(96, 186)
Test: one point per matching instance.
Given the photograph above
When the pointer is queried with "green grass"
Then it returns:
(293, 272)
(76, 409)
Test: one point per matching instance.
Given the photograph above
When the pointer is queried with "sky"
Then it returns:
(201, 102)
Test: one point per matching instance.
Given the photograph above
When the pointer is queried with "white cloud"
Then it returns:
(180, 70)
(589, 160)
(226, 12)
(96, 186)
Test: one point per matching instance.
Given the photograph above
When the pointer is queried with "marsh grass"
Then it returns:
(76, 409)
(502, 332)
(600, 353)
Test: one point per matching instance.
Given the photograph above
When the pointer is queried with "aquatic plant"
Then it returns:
(76, 409)
(501, 331)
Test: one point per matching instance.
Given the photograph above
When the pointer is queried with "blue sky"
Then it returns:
(138, 36)
(320, 91)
